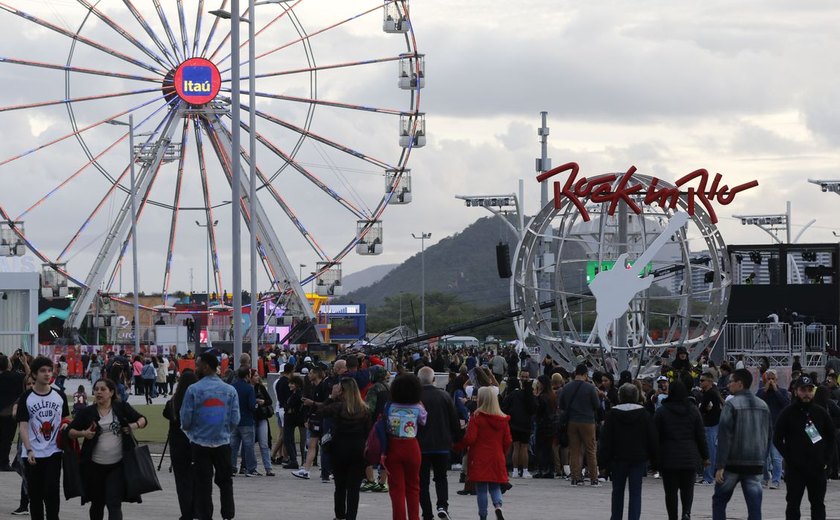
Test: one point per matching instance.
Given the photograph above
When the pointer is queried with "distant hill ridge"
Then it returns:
(365, 277)
(463, 264)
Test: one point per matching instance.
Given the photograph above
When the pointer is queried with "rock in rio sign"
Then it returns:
(197, 81)
(599, 190)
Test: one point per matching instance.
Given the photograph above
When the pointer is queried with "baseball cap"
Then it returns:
(804, 381)
(661, 378)
(304, 370)
(307, 359)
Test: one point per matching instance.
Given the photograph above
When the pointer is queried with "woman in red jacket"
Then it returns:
(488, 439)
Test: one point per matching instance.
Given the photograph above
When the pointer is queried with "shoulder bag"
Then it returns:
(139, 471)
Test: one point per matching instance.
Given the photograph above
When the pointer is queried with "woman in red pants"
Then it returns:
(404, 415)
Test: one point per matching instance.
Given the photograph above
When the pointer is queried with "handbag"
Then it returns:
(264, 412)
(377, 441)
(139, 471)
(72, 480)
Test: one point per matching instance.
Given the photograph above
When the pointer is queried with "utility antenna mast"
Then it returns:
(546, 259)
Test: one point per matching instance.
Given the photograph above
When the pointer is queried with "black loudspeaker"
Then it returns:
(773, 269)
(503, 260)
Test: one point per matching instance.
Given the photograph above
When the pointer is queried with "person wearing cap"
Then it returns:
(805, 437)
(209, 413)
(777, 399)
(661, 393)
(743, 439)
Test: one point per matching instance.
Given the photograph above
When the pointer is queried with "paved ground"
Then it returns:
(284, 496)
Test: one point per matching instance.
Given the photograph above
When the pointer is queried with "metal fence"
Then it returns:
(778, 342)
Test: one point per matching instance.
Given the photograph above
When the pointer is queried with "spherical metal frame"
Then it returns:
(555, 329)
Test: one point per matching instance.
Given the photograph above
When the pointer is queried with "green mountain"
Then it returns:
(462, 265)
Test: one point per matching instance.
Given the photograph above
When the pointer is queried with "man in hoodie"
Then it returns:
(804, 435)
(743, 438)
(436, 439)
(628, 442)
(682, 447)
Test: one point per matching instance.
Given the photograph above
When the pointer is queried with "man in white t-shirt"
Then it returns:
(39, 414)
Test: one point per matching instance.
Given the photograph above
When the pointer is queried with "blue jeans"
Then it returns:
(481, 490)
(711, 442)
(624, 474)
(773, 465)
(243, 436)
(750, 485)
(261, 435)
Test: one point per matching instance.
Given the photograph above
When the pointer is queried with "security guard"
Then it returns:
(805, 437)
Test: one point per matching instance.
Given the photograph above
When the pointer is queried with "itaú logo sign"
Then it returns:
(197, 81)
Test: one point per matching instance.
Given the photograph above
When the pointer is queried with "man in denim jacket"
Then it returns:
(743, 441)
(209, 413)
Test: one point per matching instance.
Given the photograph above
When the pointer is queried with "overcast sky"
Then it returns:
(747, 89)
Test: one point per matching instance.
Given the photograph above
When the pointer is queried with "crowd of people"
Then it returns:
(383, 423)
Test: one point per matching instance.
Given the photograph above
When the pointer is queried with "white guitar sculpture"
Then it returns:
(614, 289)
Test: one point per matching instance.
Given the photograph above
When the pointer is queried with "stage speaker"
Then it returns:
(503, 260)
(773, 269)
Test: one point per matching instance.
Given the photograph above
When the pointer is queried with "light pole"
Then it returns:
(235, 168)
(422, 238)
(133, 195)
(199, 224)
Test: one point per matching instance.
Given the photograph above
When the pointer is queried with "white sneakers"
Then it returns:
(301, 473)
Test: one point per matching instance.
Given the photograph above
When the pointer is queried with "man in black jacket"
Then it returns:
(628, 442)
(11, 386)
(436, 439)
(805, 437)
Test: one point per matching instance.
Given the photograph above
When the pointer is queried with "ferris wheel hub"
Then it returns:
(196, 81)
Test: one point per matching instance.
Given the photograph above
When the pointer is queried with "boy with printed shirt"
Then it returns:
(40, 412)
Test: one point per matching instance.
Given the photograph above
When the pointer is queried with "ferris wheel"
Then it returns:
(338, 114)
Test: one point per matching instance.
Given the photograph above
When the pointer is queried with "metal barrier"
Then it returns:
(778, 342)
